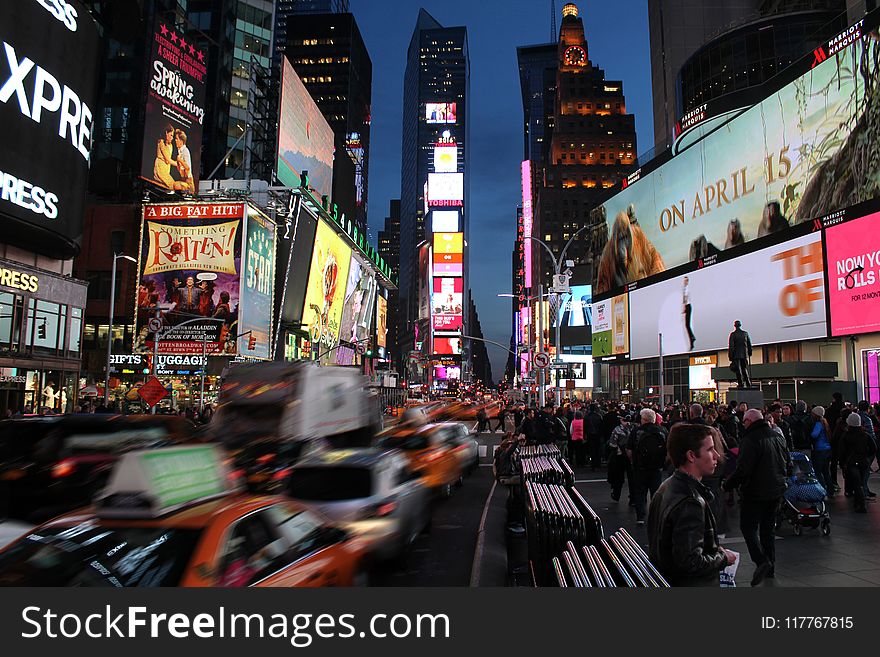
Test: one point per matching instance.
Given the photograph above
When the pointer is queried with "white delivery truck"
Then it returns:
(296, 402)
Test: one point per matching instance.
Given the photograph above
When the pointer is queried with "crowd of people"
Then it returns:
(696, 461)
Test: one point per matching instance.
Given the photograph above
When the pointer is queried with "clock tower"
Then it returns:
(592, 148)
(572, 44)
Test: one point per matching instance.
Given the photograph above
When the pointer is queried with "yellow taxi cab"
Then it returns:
(168, 518)
(430, 452)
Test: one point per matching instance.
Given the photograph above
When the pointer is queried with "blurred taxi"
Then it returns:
(430, 452)
(56, 463)
(168, 518)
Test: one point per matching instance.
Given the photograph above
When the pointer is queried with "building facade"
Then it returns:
(700, 52)
(592, 148)
(389, 249)
(434, 179)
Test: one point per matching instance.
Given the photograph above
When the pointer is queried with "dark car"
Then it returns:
(52, 464)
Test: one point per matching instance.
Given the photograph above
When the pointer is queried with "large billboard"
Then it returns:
(440, 112)
(425, 281)
(257, 288)
(445, 158)
(447, 302)
(782, 299)
(305, 139)
(360, 297)
(445, 346)
(611, 327)
(448, 256)
(325, 294)
(784, 161)
(445, 189)
(48, 81)
(444, 221)
(190, 269)
(853, 261)
(174, 111)
(381, 324)
(575, 316)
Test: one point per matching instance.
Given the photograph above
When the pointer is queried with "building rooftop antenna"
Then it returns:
(553, 34)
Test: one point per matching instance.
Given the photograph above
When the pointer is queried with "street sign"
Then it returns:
(361, 349)
(541, 360)
(152, 392)
(559, 366)
(155, 324)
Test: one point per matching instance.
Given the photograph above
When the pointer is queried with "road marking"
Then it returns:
(481, 539)
(486, 465)
(482, 450)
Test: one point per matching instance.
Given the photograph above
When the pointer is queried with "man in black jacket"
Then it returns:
(761, 470)
(682, 539)
(647, 453)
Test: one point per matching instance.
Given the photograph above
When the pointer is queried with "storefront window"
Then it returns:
(44, 325)
(871, 362)
(7, 312)
(75, 329)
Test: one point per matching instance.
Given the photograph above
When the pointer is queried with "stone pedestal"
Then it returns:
(751, 396)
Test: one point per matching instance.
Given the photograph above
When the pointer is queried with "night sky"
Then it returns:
(617, 36)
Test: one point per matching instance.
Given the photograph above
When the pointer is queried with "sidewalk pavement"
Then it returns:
(848, 557)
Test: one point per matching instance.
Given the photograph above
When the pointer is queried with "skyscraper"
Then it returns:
(434, 183)
(389, 249)
(328, 53)
(592, 148)
(234, 34)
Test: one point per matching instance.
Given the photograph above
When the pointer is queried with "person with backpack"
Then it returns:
(799, 424)
(647, 453)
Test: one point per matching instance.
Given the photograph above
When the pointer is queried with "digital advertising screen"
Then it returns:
(448, 256)
(610, 336)
(295, 246)
(580, 370)
(446, 307)
(853, 261)
(444, 221)
(305, 139)
(381, 324)
(190, 268)
(447, 346)
(440, 113)
(776, 165)
(574, 316)
(174, 111)
(445, 189)
(786, 302)
(445, 158)
(444, 372)
(360, 298)
(257, 287)
(425, 281)
(325, 294)
(49, 77)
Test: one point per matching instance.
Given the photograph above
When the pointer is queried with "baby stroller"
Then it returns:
(803, 504)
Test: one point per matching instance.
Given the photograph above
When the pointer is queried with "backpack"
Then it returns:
(650, 452)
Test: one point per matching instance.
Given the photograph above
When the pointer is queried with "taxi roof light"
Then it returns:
(152, 483)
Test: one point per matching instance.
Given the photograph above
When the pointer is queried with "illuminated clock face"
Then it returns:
(575, 56)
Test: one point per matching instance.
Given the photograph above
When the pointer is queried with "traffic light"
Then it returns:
(252, 342)
(41, 330)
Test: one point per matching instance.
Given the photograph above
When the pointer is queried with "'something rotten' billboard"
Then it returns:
(174, 111)
(190, 269)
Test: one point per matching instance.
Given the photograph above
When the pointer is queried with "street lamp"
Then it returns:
(116, 256)
(558, 289)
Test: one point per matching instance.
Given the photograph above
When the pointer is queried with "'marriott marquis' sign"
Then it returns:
(48, 73)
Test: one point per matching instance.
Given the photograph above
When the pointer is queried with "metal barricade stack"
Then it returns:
(617, 561)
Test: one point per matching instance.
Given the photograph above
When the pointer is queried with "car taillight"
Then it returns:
(265, 458)
(380, 510)
(281, 474)
(63, 469)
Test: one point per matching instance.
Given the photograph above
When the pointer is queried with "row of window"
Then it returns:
(317, 78)
(592, 156)
(321, 60)
(313, 42)
(48, 328)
